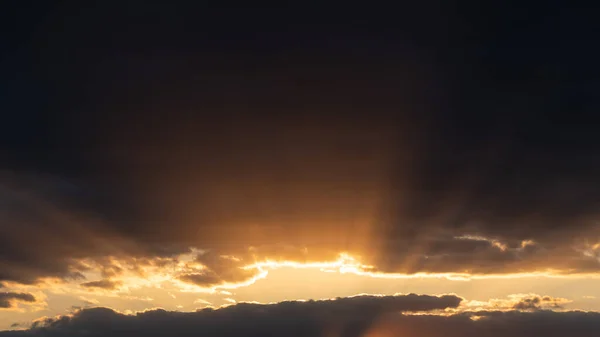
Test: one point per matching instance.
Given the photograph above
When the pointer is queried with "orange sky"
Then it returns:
(279, 281)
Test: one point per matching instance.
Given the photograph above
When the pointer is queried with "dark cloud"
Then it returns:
(8, 300)
(358, 316)
(491, 255)
(539, 302)
(102, 284)
(219, 270)
(44, 232)
(254, 319)
(384, 140)
(494, 323)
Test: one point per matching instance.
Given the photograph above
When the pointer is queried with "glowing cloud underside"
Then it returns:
(174, 273)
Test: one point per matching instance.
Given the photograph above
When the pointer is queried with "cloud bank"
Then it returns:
(355, 316)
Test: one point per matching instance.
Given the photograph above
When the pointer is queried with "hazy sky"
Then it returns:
(185, 158)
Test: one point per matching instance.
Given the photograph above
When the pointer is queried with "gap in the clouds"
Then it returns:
(302, 282)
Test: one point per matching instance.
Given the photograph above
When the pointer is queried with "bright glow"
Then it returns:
(346, 264)
(146, 283)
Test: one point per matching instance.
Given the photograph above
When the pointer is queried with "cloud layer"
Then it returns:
(304, 318)
(417, 159)
(356, 316)
(55, 238)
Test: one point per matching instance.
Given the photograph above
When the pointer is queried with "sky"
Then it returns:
(181, 169)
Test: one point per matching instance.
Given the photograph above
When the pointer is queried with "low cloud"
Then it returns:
(526, 302)
(492, 324)
(310, 316)
(540, 302)
(9, 300)
(344, 317)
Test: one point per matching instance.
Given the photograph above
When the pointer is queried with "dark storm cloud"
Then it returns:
(44, 232)
(8, 299)
(358, 316)
(387, 142)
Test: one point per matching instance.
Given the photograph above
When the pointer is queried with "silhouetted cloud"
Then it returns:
(539, 302)
(9, 299)
(494, 324)
(518, 302)
(344, 317)
(308, 317)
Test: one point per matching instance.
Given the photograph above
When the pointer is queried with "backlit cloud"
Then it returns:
(356, 316)
(10, 300)
(525, 302)
(168, 157)
(77, 244)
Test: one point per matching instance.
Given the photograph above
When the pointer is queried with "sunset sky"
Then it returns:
(177, 170)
